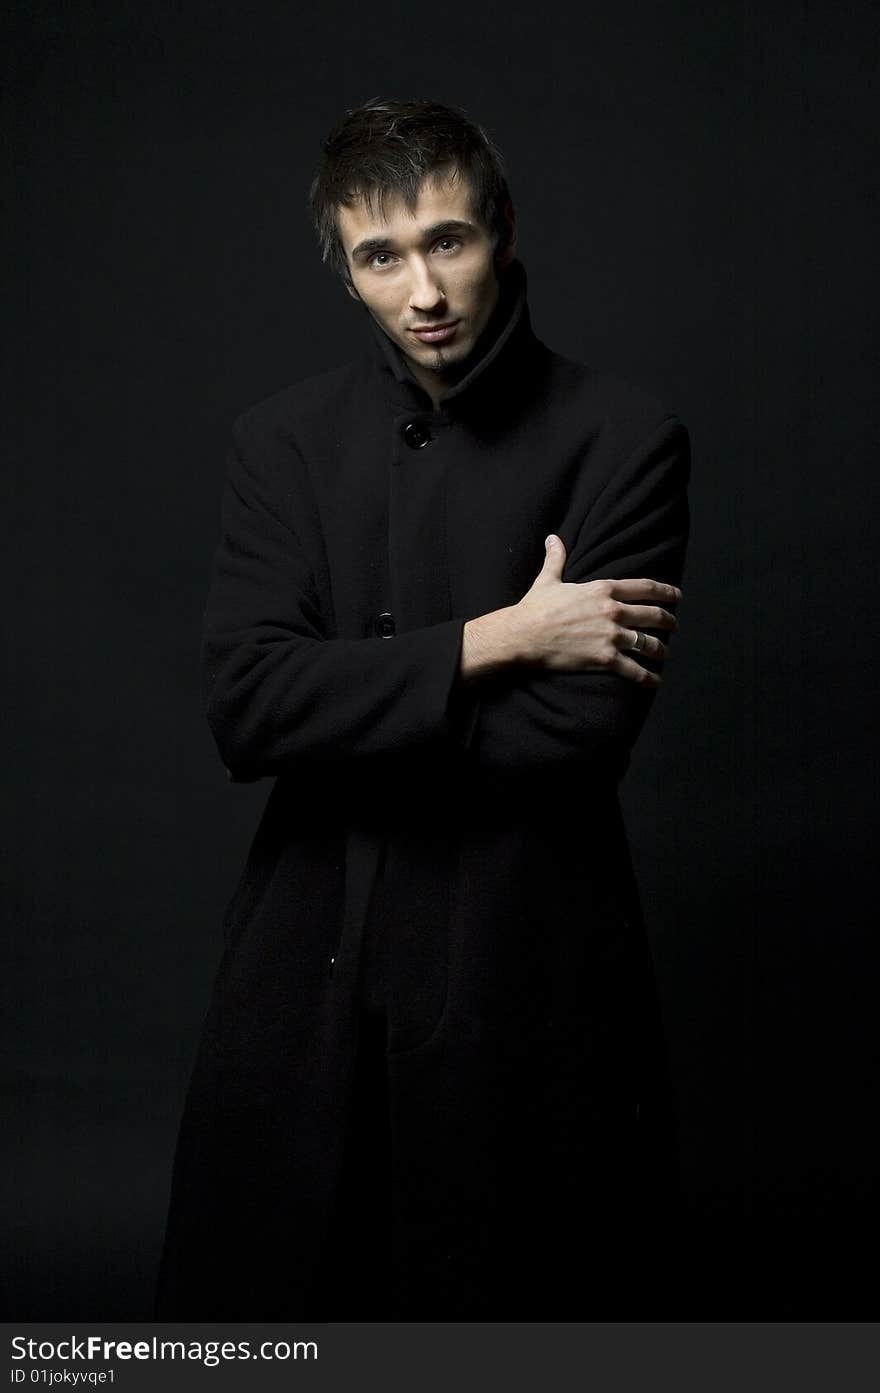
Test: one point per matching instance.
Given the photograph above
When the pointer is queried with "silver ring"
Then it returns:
(640, 641)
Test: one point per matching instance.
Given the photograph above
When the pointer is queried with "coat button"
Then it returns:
(384, 625)
(416, 435)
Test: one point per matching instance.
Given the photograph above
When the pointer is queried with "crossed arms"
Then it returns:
(544, 681)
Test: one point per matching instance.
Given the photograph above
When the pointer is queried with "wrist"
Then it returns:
(493, 641)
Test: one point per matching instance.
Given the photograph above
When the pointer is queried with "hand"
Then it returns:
(587, 624)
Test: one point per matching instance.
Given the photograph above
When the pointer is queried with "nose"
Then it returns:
(425, 294)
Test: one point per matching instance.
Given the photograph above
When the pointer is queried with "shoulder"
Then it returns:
(628, 429)
(608, 399)
(280, 416)
(269, 454)
(631, 439)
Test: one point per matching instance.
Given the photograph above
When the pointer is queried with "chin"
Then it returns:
(455, 353)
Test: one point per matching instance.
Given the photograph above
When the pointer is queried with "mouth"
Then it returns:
(437, 333)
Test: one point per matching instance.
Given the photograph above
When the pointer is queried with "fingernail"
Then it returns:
(548, 541)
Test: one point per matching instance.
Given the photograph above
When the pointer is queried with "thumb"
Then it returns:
(554, 558)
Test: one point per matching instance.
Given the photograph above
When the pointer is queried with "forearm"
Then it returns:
(274, 700)
(530, 714)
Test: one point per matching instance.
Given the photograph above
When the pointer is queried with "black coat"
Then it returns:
(361, 529)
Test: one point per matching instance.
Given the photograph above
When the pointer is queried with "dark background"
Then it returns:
(693, 183)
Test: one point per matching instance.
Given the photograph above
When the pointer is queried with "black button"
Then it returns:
(416, 435)
(385, 625)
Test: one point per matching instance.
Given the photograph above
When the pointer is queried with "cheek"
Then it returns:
(481, 279)
(481, 292)
(386, 308)
(472, 288)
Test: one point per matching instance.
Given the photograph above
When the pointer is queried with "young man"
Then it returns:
(431, 1080)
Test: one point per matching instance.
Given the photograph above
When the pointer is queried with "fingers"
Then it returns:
(645, 617)
(644, 589)
(635, 672)
(648, 646)
(634, 619)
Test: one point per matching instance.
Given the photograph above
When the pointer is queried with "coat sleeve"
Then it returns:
(277, 689)
(524, 720)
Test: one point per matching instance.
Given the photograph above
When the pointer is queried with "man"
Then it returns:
(431, 1082)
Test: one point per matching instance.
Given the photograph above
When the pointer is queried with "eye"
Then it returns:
(451, 242)
(376, 264)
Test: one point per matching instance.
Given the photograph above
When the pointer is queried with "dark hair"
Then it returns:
(388, 147)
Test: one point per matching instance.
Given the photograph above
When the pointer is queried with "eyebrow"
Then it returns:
(437, 229)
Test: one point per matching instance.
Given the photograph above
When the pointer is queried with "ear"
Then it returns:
(347, 281)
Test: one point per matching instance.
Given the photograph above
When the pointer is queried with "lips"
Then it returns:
(437, 333)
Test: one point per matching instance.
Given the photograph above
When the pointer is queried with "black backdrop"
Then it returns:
(692, 183)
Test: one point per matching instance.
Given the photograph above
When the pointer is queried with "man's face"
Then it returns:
(430, 271)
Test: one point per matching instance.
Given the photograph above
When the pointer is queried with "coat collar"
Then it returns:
(502, 357)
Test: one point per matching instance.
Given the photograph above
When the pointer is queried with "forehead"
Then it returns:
(442, 194)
